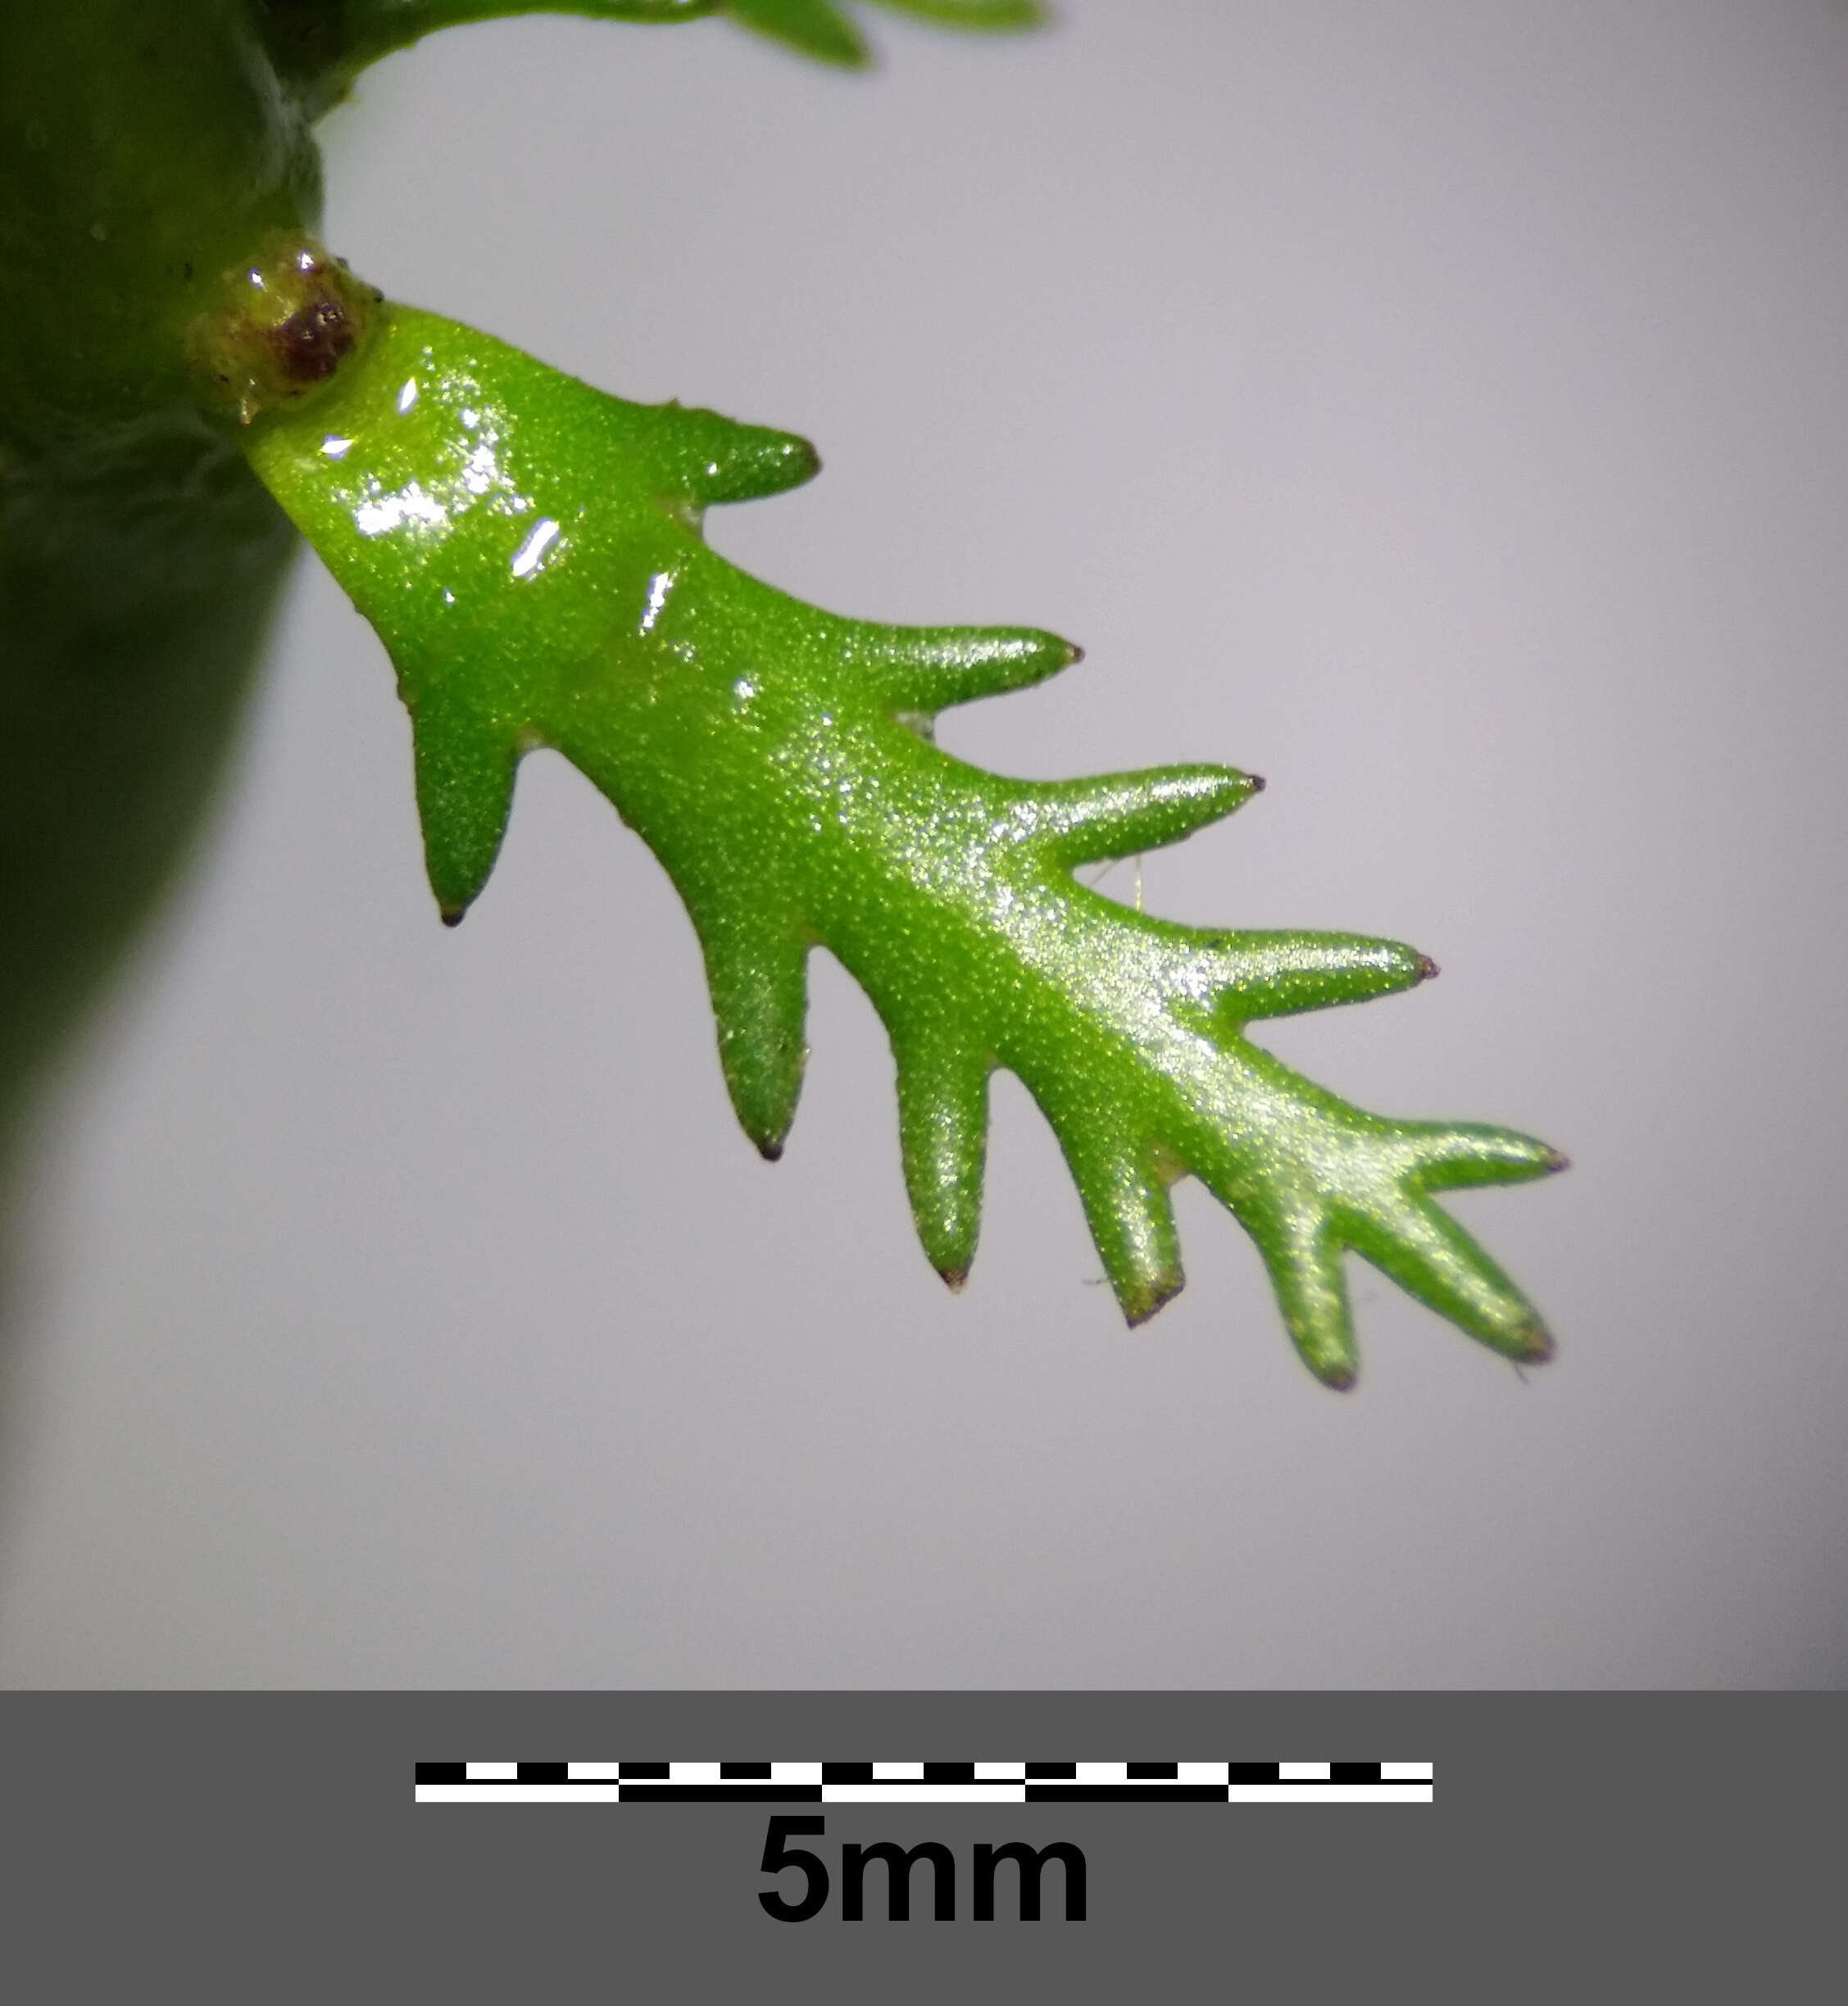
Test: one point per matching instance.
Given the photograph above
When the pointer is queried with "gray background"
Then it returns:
(1440, 408)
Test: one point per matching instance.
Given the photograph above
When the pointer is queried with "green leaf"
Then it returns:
(756, 969)
(1003, 14)
(819, 28)
(531, 550)
(942, 1138)
(812, 26)
(321, 46)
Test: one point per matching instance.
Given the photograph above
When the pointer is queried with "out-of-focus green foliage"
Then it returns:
(322, 45)
(145, 146)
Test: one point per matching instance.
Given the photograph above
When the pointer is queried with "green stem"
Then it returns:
(142, 150)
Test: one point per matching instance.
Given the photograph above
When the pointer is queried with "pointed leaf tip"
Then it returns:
(1132, 1222)
(809, 26)
(465, 768)
(1157, 1298)
(942, 1134)
(984, 14)
(931, 669)
(711, 459)
(1304, 1257)
(758, 976)
(1260, 975)
(1430, 1256)
(1449, 1157)
(1118, 814)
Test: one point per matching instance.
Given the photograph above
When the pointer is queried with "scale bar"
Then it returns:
(901, 1783)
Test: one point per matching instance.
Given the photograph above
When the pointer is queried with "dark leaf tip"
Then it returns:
(1159, 1296)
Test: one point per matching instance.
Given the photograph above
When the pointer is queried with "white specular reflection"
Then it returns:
(659, 586)
(470, 470)
(527, 558)
(412, 506)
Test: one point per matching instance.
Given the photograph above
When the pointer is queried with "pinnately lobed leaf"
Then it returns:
(531, 550)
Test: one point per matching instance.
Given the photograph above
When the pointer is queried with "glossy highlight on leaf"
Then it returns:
(531, 550)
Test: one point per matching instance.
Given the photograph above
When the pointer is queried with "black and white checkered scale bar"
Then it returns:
(903, 1782)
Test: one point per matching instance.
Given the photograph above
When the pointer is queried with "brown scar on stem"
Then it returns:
(284, 323)
(312, 343)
